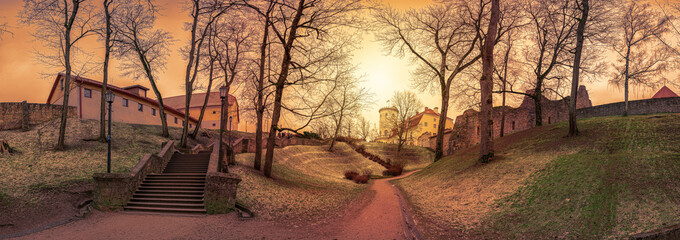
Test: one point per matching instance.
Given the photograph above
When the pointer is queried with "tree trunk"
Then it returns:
(276, 112)
(338, 125)
(187, 83)
(486, 83)
(439, 145)
(67, 78)
(259, 108)
(107, 51)
(205, 102)
(573, 129)
(625, 109)
(505, 81)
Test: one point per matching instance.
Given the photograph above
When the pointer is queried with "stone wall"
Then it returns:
(20, 115)
(466, 131)
(113, 190)
(466, 128)
(220, 186)
(638, 107)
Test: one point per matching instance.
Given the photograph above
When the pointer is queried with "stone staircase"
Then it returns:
(179, 189)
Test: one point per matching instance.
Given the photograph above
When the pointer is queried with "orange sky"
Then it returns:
(20, 77)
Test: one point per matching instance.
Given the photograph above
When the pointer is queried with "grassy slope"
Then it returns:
(619, 176)
(308, 182)
(414, 157)
(37, 168)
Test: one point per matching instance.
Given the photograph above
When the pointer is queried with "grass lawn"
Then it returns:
(618, 177)
(308, 182)
(38, 167)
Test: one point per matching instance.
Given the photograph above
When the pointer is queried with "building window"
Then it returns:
(61, 85)
(182, 122)
(477, 130)
(435, 120)
(548, 120)
(153, 111)
(213, 124)
(125, 102)
(426, 124)
(513, 125)
(434, 125)
(175, 120)
(140, 107)
(87, 93)
(214, 112)
(190, 126)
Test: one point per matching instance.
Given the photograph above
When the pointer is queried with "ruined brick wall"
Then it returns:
(646, 106)
(467, 132)
(16, 115)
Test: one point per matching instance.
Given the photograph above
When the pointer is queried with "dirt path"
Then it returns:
(379, 218)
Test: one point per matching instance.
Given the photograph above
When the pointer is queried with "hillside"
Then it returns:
(414, 157)
(618, 177)
(39, 185)
(308, 181)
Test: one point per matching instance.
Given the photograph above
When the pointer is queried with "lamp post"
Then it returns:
(229, 150)
(223, 95)
(109, 98)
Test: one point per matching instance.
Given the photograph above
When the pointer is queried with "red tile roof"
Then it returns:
(117, 90)
(664, 92)
(197, 100)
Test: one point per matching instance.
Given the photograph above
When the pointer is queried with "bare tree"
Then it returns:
(4, 28)
(348, 98)
(366, 131)
(210, 59)
(486, 83)
(584, 8)
(640, 63)
(407, 105)
(144, 50)
(59, 26)
(108, 35)
(266, 14)
(444, 39)
(301, 19)
(203, 13)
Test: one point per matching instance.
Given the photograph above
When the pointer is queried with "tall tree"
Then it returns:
(210, 59)
(640, 62)
(584, 8)
(348, 98)
(60, 24)
(143, 49)
(265, 13)
(486, 83)
(407, 104)
(4, 28)
(203, 14)
(302, 19)
(444, 39)
(108, 35)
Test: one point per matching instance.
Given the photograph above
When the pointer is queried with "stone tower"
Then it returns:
(384, 126)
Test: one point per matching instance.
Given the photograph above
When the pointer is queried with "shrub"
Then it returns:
(393, 171)
(351, 175)
(310, 135)
(362, 179)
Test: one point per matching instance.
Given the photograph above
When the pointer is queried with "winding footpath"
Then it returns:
(384, 216)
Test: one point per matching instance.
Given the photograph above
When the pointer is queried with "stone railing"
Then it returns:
(113, 190)
(220, 186)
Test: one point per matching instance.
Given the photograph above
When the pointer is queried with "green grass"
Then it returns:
(308, 182)
(37, 167)
(618, 177)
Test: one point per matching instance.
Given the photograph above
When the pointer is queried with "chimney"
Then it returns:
(436, 109)
(425, 109)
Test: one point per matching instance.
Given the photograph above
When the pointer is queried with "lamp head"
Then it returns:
(223, 92)
(110, 96)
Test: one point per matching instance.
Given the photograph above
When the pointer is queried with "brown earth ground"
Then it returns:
(374, 215)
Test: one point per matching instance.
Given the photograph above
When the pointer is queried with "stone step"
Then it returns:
(167, 196)
(174, 192)
(166, 205)
(178, 184)
(165, 210)
(174, 181)
(167, 200)
(181, 188)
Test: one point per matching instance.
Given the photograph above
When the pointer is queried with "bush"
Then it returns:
(362, 179)
(393, 171)
(310, 135)
(351, 175)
